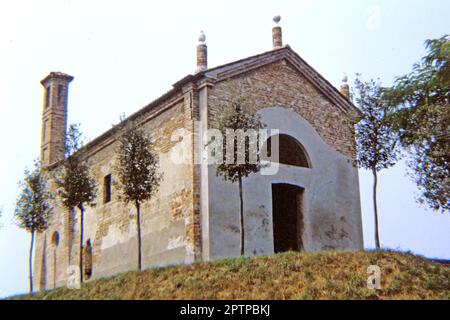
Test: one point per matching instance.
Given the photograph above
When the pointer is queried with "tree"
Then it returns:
(420, 110)
(137, 168)
(377, 147)
(238, 118)
(76, 188)
(33, 210)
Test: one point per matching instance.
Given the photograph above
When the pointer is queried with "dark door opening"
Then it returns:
(88, 260)
(287, 203)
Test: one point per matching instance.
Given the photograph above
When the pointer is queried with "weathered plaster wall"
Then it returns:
(332, 214)
(290, 103)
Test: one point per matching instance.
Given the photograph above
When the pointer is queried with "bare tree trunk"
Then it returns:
(241, 217)
(30, 262)
(81, 240)
(375, 208)
(138, 226)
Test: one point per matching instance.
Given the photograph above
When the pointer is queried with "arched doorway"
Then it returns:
(88, 260)
(55, 243)
(44, 268)
(287, 214)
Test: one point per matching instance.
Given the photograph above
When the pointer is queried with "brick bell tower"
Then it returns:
(54, 117)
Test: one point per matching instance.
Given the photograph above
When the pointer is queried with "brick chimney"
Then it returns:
(202, 53)
(277, 37)
(54, 117)
(345, 88)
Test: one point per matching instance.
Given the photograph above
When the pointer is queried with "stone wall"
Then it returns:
(166, 220)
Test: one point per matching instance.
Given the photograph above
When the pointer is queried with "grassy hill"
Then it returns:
(291, 275)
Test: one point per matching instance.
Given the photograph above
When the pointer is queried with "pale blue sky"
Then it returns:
(124, 54)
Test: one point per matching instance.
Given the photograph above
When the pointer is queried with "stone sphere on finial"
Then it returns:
(277, 19)
(344, 77)
(202, 37)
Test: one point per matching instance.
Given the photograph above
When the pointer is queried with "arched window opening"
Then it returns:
(47, 96)
(107, 190)
(55, 243)
(88, 260)
(290, 151)
(55, 238)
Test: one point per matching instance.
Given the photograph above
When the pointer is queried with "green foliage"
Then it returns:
(74, 140)
(375, 139)
(137, 165)
(420, 114)
(236, 115)
(33, 209)
(75, 185)
(239, 125)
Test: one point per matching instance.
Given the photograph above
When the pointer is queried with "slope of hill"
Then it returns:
(329, 275)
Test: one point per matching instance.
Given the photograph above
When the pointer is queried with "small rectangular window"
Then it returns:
(47, 97)
(44, 155)
(60, 94)
(107, 189)
(45, 133)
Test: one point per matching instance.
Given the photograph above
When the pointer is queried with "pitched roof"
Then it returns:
(234, 68)
(231, 69)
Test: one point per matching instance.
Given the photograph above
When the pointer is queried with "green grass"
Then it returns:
(328, 275)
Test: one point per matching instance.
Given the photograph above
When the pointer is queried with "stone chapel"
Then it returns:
(312, 203)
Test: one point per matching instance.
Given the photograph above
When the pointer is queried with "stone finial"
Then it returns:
(202, 57)
(344, 77)
(277, 19)
(201, 37)
(345, 88)
(277, 37)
